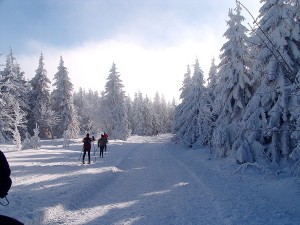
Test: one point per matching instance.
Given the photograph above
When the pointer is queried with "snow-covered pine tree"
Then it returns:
(235, 82)
(187, 121)
(178, 111)
(62, 103)
(148, 115)
(210, 96)
(165, 117)
(295, 94)
(114, 106)
(135, 112)
(93, 101)
(158, 110)
(81, 103)
(187, 81)
(35, 139)
(39, 101)
(271, 114)
(14, 88)
(18, 121)
(212, 82)
(129, 112)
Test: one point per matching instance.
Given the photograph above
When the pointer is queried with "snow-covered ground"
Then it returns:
(146, 180)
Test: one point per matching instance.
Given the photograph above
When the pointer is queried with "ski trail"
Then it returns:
(153, 190)
(143, 181)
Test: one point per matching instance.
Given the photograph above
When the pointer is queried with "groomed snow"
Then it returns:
(145, 180)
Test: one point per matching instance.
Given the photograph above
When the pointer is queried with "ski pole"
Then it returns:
(94, 152)
(80, 155)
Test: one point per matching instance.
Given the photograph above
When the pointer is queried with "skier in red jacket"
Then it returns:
(106, 140)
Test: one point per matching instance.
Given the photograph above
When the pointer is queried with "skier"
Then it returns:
(5, 181)
(8, 220)
(87, 147)
(101, 144)
(5, 184)
(106, 140)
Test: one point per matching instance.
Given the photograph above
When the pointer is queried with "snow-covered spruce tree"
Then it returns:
(151, 117)
(93, 105)
(88, 107)
(137, 114)
(159, 115)
(210, 96)
(148, 115)
(192, 105)
(39, 101)
(129, 112)
(178, 111)
(295, 95)
(235, 84)
(18, 121)
(272, 113)
(14, 88)
(84, 115)
(114, 107)
(62, 103)
(165, 117)
(212, 83)
(35, 140)
(187, 81)
(171, 112)
(3, 112)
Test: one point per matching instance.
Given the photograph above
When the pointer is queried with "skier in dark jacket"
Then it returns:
(5, 181)
(5, 184)
(101, 144)
(87, 147)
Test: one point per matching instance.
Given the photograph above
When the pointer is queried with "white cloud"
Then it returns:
(147, 60)
(145, 68)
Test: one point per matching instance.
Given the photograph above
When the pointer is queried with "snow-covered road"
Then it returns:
(144, 181)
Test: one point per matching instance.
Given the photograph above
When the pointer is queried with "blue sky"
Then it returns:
(151, 41)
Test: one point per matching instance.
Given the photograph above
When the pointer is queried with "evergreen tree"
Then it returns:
(158, 115)
(14, 89)
(186, 83)
(212, 82)
(83, 110)
(164, 118)
(62, 103)
(137, 114)
(18, 120)
(129, 112)
(270, 115)
(114, 106)
(212, 92)
(39, 101)
(178, 111)
(148, 118)
(295, 95)
(235, 83)
(187, 121)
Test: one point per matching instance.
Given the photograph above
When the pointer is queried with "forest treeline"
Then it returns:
(27, 105)
(249, 108)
